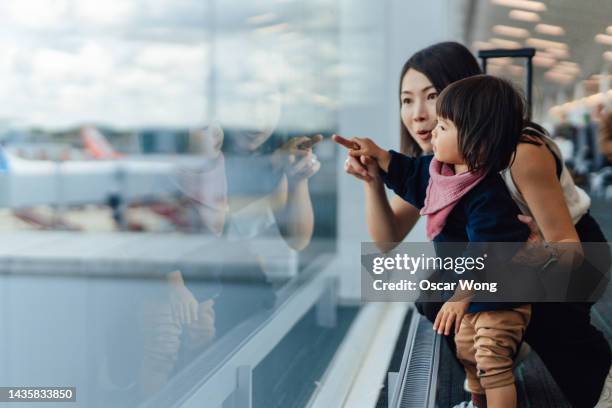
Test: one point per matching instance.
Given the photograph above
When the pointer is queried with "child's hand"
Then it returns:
(451, 312)
(365, 147)
(184, 304)
(535, 236)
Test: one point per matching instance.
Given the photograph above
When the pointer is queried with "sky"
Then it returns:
(144, 63)
(126, 63)
(153, 63)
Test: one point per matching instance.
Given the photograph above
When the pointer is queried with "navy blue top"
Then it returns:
(487, 213)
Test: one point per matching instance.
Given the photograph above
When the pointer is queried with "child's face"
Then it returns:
(445, 142)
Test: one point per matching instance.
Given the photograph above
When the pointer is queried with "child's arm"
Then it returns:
(365, 147)
(406, 176)
(492, 215)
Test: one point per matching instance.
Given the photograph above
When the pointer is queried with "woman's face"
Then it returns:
(418, 107)
(262, 114)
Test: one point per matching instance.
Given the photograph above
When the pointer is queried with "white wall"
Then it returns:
(376, 38)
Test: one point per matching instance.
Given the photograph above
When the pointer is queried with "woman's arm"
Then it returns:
(534, 174)
(293, 212)
(291, 201)
(388, 223)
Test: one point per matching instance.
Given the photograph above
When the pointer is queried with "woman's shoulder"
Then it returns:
(532, 158)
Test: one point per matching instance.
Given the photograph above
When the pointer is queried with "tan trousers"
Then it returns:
(487, 342)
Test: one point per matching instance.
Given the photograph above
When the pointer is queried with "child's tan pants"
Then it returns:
(487, 343)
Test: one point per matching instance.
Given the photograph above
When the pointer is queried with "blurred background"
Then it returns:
(176, 228)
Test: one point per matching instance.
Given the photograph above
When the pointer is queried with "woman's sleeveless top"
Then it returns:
(577, 199)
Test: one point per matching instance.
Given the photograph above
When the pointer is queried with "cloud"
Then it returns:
(69, 61)
(105, 13)
(142, 63)
(35, 13)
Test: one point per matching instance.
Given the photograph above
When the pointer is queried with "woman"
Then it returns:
(576, 353)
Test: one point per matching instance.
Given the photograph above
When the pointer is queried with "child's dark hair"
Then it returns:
(489, 114)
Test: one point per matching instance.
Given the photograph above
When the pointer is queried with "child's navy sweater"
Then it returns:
(487, 213)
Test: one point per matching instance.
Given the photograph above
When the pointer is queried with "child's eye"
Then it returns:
(432, 96)
(406, 100)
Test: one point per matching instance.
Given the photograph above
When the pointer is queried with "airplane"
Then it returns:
(98, 147)
(115, 181)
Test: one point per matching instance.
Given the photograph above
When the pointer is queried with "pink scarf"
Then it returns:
(444, 191)
(208, 187)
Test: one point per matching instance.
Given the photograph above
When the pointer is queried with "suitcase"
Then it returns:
(526, 53)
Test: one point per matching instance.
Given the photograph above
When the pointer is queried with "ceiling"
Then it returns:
(581, 21)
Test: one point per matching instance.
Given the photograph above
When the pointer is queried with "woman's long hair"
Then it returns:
(443, 64)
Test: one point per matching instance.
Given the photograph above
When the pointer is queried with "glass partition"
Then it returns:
(167, 193)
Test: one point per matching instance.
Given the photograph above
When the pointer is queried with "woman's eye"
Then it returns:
(432, 96)
(406, 101)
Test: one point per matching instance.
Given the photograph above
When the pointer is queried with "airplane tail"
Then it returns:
(97, 145)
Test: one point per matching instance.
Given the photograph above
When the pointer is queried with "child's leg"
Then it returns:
(466, 354)
(162, 341)
(498, 334)
(501, 397)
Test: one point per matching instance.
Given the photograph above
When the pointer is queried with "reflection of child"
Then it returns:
(206, 183)
(465, 200)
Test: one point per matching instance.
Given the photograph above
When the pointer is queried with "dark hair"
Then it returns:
(489, 115)
(443, 64)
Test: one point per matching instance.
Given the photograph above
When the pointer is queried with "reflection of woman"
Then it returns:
(247, 188)
(264, 191)
(268, 194)
(576, 354)
(264, 175)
